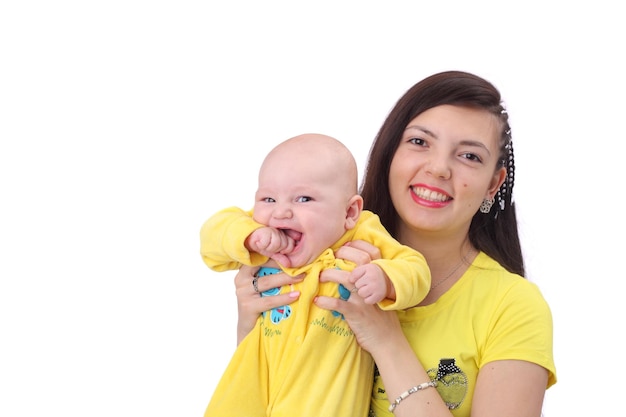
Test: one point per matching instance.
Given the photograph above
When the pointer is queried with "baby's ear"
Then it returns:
(354, 209)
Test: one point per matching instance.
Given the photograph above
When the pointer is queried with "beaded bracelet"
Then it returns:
(411, 391)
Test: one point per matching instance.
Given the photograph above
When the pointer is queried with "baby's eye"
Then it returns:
(303, 199)
(268, 200)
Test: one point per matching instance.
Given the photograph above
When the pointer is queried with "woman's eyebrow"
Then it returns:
(421, 129)
(465, 142)
(475, 143)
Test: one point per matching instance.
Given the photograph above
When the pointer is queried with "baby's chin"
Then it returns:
(297, 262)
(301, 259)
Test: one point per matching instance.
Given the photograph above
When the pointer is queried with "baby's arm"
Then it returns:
(222, 238)
(372, 283)
(271, 242)
(403, 266)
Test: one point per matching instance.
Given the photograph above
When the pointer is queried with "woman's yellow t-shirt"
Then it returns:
(490, 314)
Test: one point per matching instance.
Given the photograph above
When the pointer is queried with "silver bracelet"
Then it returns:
(411, 391)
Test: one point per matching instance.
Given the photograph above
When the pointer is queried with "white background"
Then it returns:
(125, 124)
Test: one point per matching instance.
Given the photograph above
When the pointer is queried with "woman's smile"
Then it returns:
(427, 196)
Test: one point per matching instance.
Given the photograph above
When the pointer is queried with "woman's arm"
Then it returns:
(379, 333)
(503, 388)
(250, 304)
(512, 387)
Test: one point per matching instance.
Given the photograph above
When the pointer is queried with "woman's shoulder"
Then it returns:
(485, 266)
(488, 276)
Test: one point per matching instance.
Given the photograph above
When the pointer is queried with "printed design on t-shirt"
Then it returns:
(277, 314)
(451, 382)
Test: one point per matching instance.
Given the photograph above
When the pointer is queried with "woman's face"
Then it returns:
(444, 167)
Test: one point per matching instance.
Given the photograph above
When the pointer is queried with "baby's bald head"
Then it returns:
(317, 153)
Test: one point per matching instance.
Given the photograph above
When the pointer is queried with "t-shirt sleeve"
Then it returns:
(522, 329)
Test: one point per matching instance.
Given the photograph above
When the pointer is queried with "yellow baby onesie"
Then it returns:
(301, 360)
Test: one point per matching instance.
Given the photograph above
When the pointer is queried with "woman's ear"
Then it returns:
(353, 211)
(496, 182)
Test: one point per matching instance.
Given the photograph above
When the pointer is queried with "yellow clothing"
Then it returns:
(308, 363)
(222, 248)
(488, 315)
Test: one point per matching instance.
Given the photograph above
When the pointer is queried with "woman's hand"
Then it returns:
(371, 325)
(250, 304)
(358, 251)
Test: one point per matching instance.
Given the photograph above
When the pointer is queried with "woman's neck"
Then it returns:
(436, 247)
(447, 257)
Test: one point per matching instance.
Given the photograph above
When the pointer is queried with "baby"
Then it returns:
(300, 359)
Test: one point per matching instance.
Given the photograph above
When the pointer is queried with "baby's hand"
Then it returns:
(271, 242)
(372, 283)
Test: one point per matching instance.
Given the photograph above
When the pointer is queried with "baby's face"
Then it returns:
(307, 201)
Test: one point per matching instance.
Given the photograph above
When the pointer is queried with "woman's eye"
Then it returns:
(303, 199)
(417, 141)
(471, 157)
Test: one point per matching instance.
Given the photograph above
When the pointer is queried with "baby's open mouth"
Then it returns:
(294, 234)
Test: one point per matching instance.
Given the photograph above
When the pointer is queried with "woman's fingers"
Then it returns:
(357, 314)
(268, 282)
(372, 251)
(250, 303)
(275, 301)
(340, 277)
(331, 303)
(244, 281)
(358, 251)
(370, 324)
(336, 275)
(353, 254)
(244, 276)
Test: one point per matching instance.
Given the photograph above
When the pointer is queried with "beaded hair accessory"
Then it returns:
(506, 189)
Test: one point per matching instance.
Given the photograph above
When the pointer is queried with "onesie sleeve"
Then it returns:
(406, 268)
(521, 328)
(222, 239)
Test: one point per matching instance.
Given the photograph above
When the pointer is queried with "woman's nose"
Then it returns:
(439, 166)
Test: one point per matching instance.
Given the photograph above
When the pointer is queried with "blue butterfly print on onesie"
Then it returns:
(344, 294)
(277, 314)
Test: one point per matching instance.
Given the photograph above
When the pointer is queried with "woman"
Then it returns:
(440, 176)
